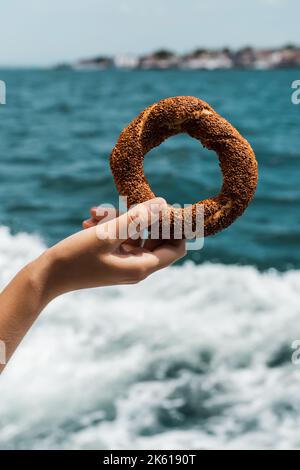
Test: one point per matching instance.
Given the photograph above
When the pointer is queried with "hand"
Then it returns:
(97, 256)
(91, 258)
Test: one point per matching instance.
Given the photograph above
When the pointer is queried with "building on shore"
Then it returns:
(200, 59)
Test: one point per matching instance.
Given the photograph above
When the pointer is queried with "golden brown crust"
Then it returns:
(195, 117)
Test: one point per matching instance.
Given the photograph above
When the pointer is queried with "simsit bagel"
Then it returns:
(187, 114)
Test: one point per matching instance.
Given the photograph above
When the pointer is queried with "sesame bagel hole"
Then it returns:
(181, 162)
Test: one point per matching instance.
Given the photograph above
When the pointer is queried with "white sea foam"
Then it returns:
(194, 357)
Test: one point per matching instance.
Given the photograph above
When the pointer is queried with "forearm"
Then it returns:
(62, 268)
(86, 259)
(22, 301)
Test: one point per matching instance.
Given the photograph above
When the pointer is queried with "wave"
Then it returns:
(195, 357)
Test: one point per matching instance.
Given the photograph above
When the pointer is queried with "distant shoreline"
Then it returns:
(126, 70)
(247, 58)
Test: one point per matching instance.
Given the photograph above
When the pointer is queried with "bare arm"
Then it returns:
(21, 302)
(86, 259)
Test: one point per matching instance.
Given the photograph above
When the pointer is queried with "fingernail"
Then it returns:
(157, 204)
(101, 211)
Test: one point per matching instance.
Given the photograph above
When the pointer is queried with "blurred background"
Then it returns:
(199, 355)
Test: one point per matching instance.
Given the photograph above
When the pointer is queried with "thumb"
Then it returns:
(132, 223)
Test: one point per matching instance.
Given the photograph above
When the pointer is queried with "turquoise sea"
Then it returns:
(199, 355)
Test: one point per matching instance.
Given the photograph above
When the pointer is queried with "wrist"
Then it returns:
(42, 279)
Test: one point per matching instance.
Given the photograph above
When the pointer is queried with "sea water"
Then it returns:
(198, 356)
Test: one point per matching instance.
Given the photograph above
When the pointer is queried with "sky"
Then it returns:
(46, 32)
